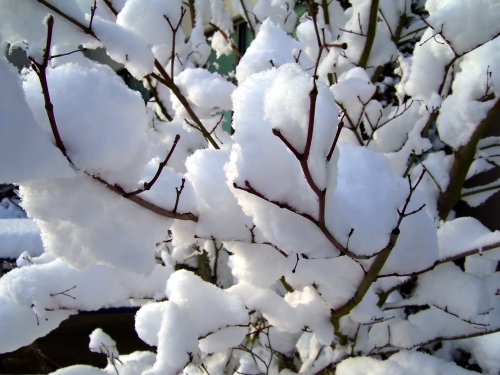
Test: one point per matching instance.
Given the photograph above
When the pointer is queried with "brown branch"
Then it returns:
(110, 6)
(148, 205)
(250, 25)
(287, 286)
(481, 190)
(287, 143)
(41, 71)
(326, 12)
(149, 185)
(167, 81)
(312, 12)
(66, 54)
(178, 195)
(249, 189)
(92, 14)
(64, 293)
(158, 101)
(368, 280)
(340, 126)
(464, 157)
(449, 259)
(353, 127)
(370, 37)
(192, 12)
(461, 337)
(84, 28)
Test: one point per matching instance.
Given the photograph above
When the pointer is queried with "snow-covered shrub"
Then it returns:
(318, 238)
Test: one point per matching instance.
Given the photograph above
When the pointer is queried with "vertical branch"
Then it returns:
(174, 33)
(41, 71)
(250, 24)
(158, 101)
(178, 192)
(370, 37)
(92, 14)
(192, 13)
(326, 12)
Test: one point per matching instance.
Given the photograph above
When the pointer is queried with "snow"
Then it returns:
(464, 109)
(462, 235)
(109, 141)
(351, 204)
(49, 293)
(195, 309)
(31, 26)
(100, 342)
(148, 20)
(268, 262)
(124, 47)
(220, 215)
(484, 350)
(280, 12)
(18, 236)
(94, 225)
(271, 44)
(456, 18)
(207, 93)
(428, 67)
(407, 362)
(20, 135)
(220, 44)
(79, 370)
(465, 297)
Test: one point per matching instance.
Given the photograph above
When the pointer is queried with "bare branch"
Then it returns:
(149, 185)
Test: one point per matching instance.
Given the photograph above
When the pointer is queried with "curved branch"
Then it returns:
(493, 246)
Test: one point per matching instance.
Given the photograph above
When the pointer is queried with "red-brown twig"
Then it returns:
(149, 185)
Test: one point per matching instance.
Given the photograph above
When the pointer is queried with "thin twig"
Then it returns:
(158, 101)
(149, 185)
(64, 293)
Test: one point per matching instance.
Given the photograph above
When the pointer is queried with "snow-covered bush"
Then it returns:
(317, 238)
